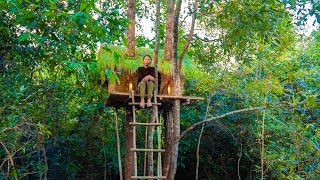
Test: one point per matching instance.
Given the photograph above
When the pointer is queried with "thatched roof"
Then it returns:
(120, 62)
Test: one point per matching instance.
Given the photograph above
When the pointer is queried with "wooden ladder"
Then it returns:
(158, 124)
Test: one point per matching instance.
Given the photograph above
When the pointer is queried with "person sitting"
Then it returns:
(146, 79)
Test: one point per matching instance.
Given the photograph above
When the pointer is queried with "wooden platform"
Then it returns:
(121, 99)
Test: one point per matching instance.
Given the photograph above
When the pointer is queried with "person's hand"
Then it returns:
(145, 79)
(151, 78)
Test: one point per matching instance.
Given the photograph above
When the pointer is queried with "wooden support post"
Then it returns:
(129, 162)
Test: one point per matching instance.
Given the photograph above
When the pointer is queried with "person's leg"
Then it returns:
(142, 91)
(150, 87)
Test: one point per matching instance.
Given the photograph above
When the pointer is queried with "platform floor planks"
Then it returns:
(122, 99)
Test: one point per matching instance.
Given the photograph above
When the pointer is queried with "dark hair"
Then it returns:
(147, 56)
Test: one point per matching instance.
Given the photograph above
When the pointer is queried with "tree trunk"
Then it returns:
(169, 30)
(129, 164)
(129, 159)
(171, 142)
(173, 115)
(174, 126)
(169, 138)
(131, 28)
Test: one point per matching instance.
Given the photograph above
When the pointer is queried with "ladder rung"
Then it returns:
(148, 150)
(148, 177)
(145, 124)
(136, 103)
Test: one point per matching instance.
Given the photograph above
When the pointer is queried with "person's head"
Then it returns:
(147, 60)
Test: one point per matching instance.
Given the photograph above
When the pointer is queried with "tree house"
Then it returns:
(123, 93)
(119, 91)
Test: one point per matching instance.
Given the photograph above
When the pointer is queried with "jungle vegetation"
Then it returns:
(54, 125)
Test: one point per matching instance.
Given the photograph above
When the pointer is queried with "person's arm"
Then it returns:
(151, 76)
(139, 75)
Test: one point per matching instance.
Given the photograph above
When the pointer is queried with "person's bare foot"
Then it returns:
(149, 104)
(142, 103)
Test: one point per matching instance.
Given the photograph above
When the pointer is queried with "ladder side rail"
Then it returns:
(159, 164)
(155, 107)
(145, 152)
(156, 51)
(134, 136)
(150, 142)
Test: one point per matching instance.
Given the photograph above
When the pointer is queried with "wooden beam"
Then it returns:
(188, 98)
(148, 177)
(145, 124)
(147, 150)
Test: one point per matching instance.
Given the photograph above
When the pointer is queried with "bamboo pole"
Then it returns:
(118, 146)
(156, 51)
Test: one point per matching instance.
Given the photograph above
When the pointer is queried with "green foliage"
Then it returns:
(48, 86)
(251, 63)
(298, 118)
(53, 123)
(237, 29)
(115, 60)
(288, 84)
(304, 9)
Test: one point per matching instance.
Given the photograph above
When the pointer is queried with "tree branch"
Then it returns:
(10, 128)
(205, 39)
(9, 156)
(190, 36)
(175, 30)
(8, 153)
(199, 139)
(219, 117)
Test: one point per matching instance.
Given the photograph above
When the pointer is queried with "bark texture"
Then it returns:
(131, 28)
(169, 138)
(169, 30)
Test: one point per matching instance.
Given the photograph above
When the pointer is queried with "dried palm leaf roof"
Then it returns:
(115, 58)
